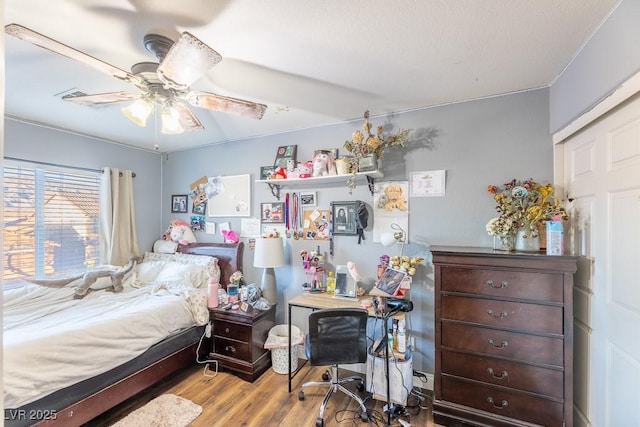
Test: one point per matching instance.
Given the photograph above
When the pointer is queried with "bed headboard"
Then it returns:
(229, 256)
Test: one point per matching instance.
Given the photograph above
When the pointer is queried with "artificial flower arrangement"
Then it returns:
(236, 278)
(405, 262)
(525, 205)
(366, 143)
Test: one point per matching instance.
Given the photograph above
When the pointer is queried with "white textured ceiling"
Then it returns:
(312, 62)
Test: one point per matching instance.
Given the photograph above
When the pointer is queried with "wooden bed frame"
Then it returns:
(230, 260)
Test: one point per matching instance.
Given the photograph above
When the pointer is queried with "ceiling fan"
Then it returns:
(164, 85)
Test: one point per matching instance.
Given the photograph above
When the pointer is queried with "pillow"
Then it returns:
(208, 262)
(165, 246)
(174, 271)
(147, 271)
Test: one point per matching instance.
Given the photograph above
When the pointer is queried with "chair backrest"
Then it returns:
(337, 336)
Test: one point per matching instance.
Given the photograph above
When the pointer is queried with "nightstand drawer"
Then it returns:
(494, 342)
(232, 348)
(232, 330)
(515, 375)
(503, 314)
(500, 401)
(503, 283)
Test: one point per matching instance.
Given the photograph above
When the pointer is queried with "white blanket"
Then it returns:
(52, 340)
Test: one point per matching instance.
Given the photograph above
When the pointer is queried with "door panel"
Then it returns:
(602, 176)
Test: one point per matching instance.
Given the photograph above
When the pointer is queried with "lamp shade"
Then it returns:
(139, 111)
(269, 252)
(388, 239)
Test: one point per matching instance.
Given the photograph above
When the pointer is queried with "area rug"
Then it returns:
(167, 410)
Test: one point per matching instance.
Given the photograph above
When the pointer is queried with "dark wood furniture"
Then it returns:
(229, 259)
(238, 340)
(504, 338)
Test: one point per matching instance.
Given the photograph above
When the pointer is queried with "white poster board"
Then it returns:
(233, 197)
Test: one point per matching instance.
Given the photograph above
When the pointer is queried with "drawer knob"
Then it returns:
(226, 330)
(503, 405)
(503, 345)
(503, 284)
(230, 348)
(502, 376)
(502, 314)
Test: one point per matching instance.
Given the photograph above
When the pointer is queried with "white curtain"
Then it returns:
(117, 217)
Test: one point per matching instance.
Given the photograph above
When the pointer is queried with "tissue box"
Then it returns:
(555, 238)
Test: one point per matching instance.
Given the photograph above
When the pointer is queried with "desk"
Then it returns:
(321, 301)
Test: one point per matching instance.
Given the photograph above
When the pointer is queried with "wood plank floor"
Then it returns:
(229, 401)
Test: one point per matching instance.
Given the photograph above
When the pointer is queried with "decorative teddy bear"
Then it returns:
(395, 198)
(305, 169)
(230, 236)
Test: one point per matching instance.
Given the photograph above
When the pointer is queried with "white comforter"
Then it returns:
(52, 340)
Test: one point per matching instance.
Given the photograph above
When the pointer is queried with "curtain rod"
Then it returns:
(133, 174)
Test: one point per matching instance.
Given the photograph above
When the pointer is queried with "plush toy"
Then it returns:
(179, 231)
(305, 169)
(279, 173)
(322, 164)
(230, 236)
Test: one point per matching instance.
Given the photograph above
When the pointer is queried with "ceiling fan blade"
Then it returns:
(226, 104)
(188, 120)
(54, 46)
(187, 61)
(103, 98)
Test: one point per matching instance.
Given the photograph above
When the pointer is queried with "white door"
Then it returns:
(601, 170)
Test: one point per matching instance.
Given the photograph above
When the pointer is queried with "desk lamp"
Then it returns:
(269, 254)
(398, 235)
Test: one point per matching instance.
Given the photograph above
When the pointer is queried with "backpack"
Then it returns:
(362, 217)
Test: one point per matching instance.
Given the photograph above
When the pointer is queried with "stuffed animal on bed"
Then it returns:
(179, 231)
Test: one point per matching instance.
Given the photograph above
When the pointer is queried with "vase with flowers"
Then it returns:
(365, 144)
(523, 208)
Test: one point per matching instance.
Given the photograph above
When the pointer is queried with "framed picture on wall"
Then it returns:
(272, 212)
(344, 217)
(284, 153)
(179, 203)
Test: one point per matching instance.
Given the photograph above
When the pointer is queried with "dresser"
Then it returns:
(503, 338)
(238, 340)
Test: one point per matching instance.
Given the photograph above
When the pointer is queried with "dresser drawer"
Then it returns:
(500, 401)
(493, 342)
(503, 314)
(515, 375)
(503, 283)
(232, 348)
(232, 330)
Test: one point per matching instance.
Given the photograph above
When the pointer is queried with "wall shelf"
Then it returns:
(320, 181)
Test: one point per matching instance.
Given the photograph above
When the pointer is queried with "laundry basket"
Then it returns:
(278, 342)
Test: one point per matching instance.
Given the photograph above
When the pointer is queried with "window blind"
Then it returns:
(51, 221)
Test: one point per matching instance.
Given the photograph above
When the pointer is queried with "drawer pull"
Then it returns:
(502, 314)
(502, 406)
(503, 284)
(226, 330)
(503, 345)
(502, 376)
(230, 348)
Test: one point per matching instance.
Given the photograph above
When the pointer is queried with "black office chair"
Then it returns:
(337, 336)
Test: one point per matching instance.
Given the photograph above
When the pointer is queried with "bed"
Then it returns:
(152, 343)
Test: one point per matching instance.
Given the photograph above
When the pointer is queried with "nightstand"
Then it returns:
(237, 340)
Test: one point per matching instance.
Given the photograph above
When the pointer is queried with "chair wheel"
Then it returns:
(319, 422)
(301, 395)
(325, 376)
(360, 386)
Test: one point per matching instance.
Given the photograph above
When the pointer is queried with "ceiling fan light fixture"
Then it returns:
(138, 111)
(170, 121)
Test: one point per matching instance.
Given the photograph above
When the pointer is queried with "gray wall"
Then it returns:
(478, 143)
(36, 143)
(606, 61)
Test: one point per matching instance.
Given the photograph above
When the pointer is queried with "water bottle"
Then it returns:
(212, 296)
(402, 340)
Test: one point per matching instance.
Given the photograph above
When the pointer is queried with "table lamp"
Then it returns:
(269, 253)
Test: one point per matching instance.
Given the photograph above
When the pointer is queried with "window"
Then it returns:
(51, 221)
